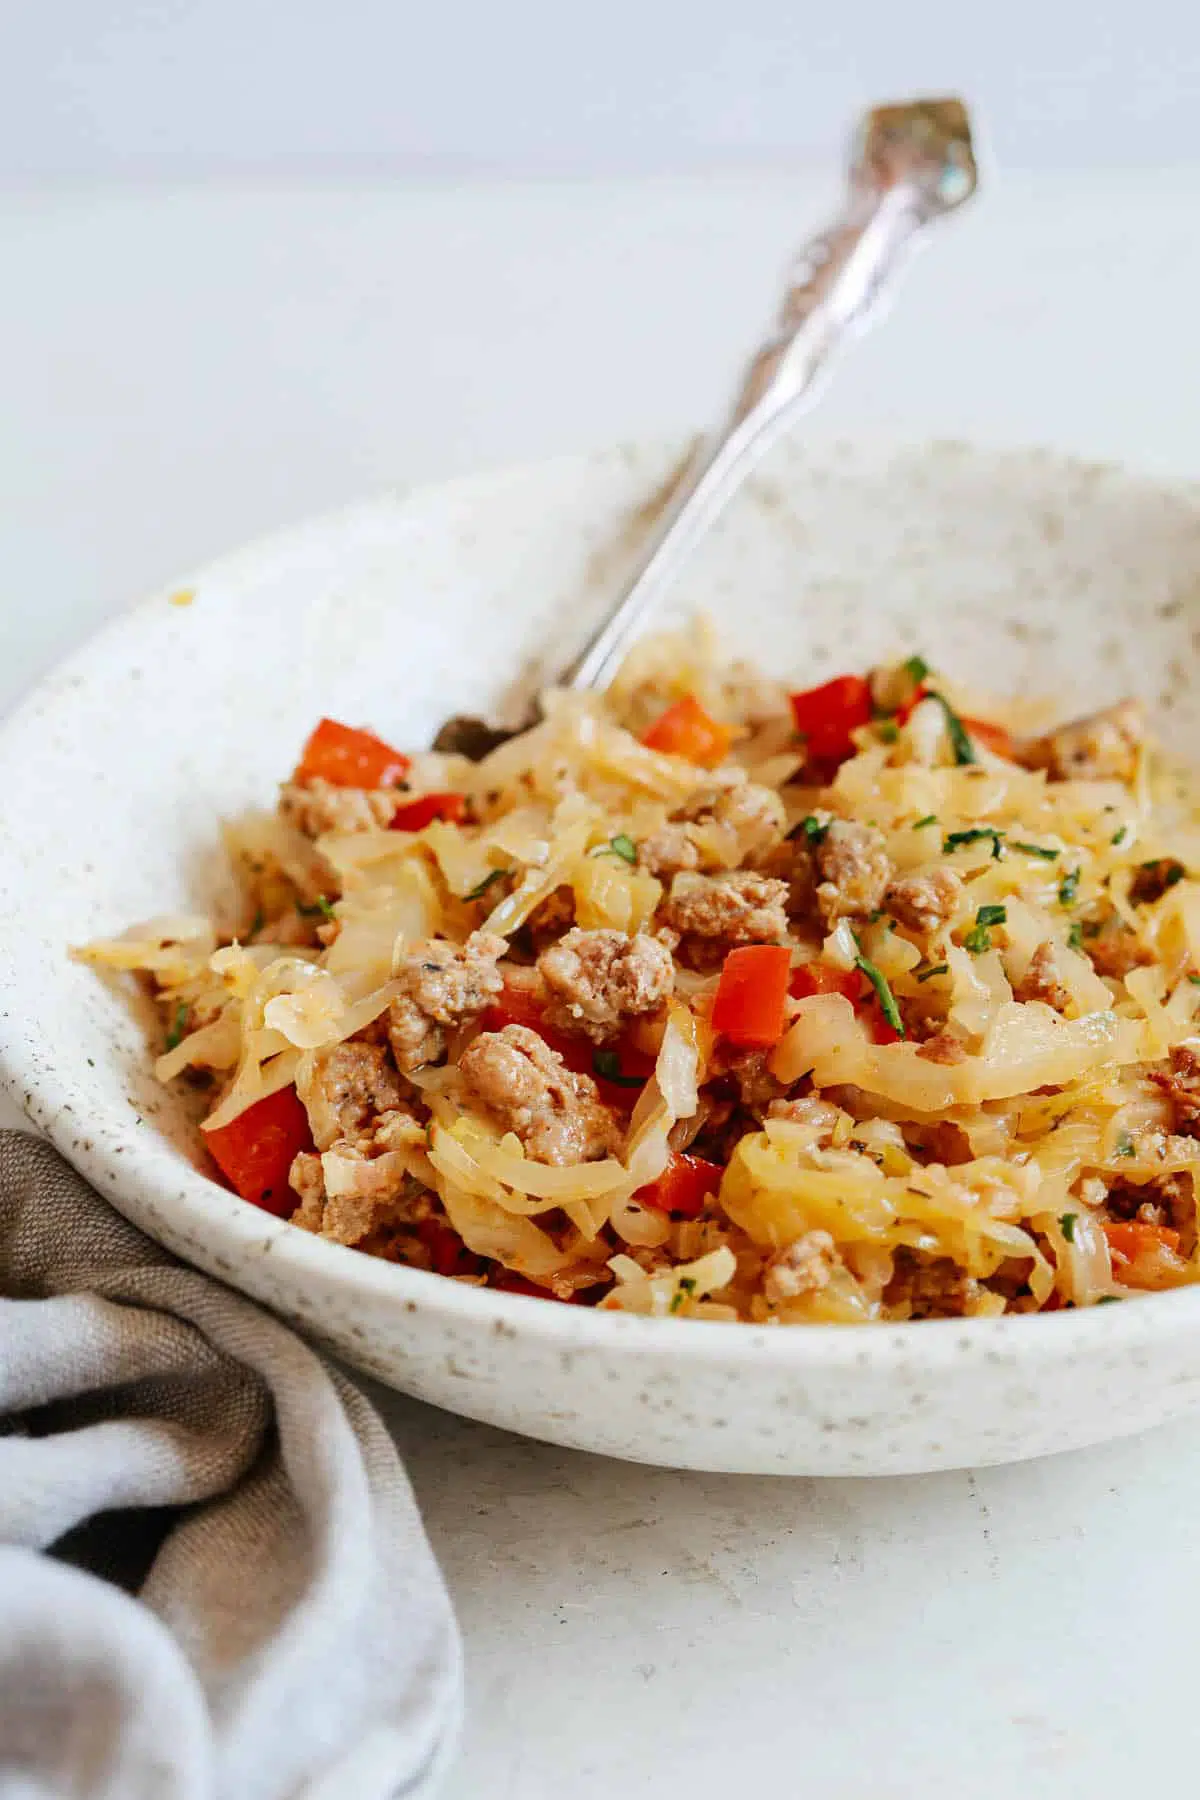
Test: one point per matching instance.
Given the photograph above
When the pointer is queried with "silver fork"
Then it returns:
(910, 164)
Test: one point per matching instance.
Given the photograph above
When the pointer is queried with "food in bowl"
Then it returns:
(710, 999)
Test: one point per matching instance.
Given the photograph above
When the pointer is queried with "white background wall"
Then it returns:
(143, 87)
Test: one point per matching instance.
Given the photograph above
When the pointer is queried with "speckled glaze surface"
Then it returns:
(1020, 571)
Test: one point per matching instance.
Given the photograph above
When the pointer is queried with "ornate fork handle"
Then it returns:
(909, 165)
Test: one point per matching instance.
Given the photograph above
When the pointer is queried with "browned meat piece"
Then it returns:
(800, 1268)
(444, 984)
(317, 806)
(756, 1085)
(345, 1089)
(945, 1048)
(929, 1287)
(924, 903)
(1181, 1084)
(1153, 879)
(1101, 747)
(854, 871)
(1114, 949)
(753, 815)
(1042, 981)
(791, 863)
(527, 1088)
(372, 1194)
(551, 917)
(1167, 1200)
(730, 909)
(598, 979)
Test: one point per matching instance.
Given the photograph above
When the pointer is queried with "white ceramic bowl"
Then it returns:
(1019, 571)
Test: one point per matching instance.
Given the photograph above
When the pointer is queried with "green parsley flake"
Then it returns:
(622, 845)
(936, 969)
(1124, 1145)
(887, 1000)
(1075, 936)
(321, 905)
(1118, 837)
(979, 938)
(976, 834)
(1195, 980)
(813, 829)
(1108, 1300)
(685, 1288)
(887, 731)
(916, 668)
(477, 893)
(607, 1064)
(960, 739)
(929, 819)
(1068, 1226)
(1041, 850)
(1068, 887)
(175, 1035)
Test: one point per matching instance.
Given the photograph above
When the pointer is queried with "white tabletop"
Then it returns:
(184, 369)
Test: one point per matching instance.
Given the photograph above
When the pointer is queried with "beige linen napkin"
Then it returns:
(287, 1633)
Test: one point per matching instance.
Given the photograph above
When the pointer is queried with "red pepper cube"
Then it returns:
(825, 716)
(751, 1001)
(254, 1152)
(686, 730)
(347, 757)
(683, 1187)
(419, 813)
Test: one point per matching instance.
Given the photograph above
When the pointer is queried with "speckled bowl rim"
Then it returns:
(141, 1166)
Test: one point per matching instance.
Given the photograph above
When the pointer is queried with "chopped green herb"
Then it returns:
(929, 819)
(916, 668)
(607, 1064)
(1195, 980)
(960, 739)
(175, 1035)
(1075, 936)
(979, 938)
(1108, 1300)
(812, 828)
(888, 731)
(1068, 887)
(1068, 1226)
(936, 969)
(477, 893)
(622, 845)
(1124, 1145)
(1118, 837)
(976, 834)
(685, 1288)
(1041, 850)
(321, 905)
(887, 1000)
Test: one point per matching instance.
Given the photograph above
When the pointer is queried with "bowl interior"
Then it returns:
(1018, 571)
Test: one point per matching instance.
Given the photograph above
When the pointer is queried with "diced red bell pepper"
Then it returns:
(254, 1152)
(683, 1187)
(419, 813)
(751, 1002)
(822, 978)
(996, 738)
(827, 715)
(347, 757)
(1128, 1238)
(686, 730)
